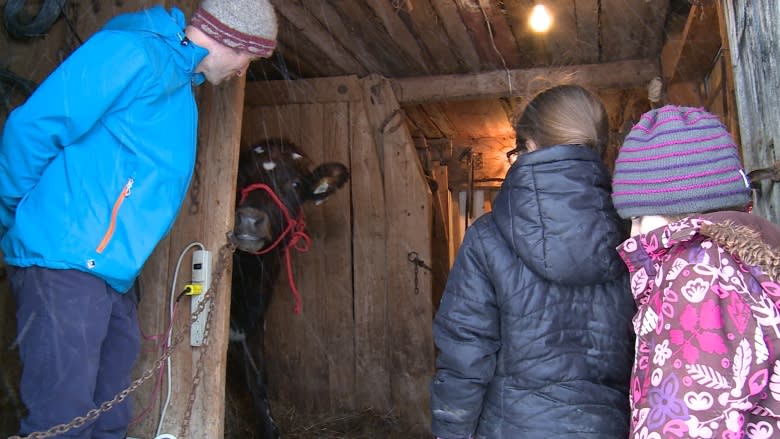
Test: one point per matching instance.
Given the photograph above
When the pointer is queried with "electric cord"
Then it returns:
(172, 307)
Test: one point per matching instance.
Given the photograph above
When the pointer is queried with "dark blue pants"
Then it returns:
(78, 339)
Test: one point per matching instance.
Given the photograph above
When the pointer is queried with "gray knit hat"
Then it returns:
(246, 25)
(678, 160)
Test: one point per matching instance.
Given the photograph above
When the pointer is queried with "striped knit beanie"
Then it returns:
(678, 160)
(246, 25)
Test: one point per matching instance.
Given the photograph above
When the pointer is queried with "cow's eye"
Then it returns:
(296, 183)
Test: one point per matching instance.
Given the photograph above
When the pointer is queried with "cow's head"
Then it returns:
(271, 174)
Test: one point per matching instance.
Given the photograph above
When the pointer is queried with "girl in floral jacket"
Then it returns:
(706, 284)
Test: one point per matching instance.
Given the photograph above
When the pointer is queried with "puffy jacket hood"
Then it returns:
(169, 27)
(555, 199)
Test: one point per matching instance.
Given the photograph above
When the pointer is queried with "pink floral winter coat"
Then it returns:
(708, 329)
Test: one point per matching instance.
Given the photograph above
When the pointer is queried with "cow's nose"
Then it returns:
(251, 221)
(246, 219)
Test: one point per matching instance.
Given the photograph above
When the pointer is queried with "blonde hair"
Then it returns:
(564, 115)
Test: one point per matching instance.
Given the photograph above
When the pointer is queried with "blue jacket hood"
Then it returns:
(169, 27)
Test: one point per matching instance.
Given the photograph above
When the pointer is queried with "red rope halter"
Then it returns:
(299, 240)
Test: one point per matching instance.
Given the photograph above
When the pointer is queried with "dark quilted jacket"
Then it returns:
(534, 328)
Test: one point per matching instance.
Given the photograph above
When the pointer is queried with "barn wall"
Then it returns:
(755, 51)
(696, 65)
(34, 58)
(364, 336)
(11, 408)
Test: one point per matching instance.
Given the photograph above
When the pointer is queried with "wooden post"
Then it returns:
(730, 112)
(206, 217)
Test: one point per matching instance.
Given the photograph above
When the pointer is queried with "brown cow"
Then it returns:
(274, 181)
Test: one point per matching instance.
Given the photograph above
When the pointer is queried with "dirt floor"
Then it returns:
(366, 424)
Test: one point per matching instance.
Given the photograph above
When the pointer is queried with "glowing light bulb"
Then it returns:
(540, 19)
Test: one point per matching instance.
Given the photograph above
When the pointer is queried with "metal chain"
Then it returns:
(225, 252)
(194, 206)
(415, 259)
(416, 280)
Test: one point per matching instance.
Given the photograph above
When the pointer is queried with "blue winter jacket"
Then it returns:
(534, 327)
(94, 166)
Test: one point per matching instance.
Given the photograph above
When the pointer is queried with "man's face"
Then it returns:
(223, 63)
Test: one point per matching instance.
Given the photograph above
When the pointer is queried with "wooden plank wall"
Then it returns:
(409, 219)
(364, 338)
(755, 51)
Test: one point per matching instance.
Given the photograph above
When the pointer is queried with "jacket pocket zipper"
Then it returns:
(114, 213)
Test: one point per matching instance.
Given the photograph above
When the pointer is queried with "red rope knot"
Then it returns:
(299, 239)
(296, 228)
(301, 242)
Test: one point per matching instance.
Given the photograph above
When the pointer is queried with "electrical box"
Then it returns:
(201, 275)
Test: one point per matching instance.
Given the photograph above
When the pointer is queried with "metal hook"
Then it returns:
(415, 259)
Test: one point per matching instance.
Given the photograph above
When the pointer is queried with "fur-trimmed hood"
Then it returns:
(753, 239)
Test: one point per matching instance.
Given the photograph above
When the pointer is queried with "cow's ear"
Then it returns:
(326, 179)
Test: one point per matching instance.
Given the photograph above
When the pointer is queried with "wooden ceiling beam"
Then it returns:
(320, 36)
(523, 82)
(459, 35)
(401, 34)
(700, 44)
(492, 37)
(428, 26)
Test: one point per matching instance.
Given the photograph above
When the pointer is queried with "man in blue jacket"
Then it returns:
(93, 171)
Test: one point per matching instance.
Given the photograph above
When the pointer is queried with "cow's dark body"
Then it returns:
(257, 262)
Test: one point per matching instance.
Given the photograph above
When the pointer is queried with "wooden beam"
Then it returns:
(362, 36)
(586, 29)
(437, 112)
(429, 28)
(500, 83)
(206, 217)
(497, 48)
(408, 209)
(424, 124)
(500, 33)
(700, 44)
(458, 34)
(402, 36)
(730, 112)
(318, 90)
(319, 35)
(219, 137)
(302, 58)
(373, 318)
(620, 24)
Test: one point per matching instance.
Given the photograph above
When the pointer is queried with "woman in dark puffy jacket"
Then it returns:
(534, 330)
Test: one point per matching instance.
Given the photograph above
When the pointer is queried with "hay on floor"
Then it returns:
(362, 424)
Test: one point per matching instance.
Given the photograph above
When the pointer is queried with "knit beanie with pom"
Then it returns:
(246, 25)
(678, 160)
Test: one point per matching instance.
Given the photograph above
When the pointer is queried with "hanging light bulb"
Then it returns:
(540, 20)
